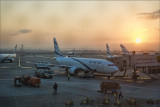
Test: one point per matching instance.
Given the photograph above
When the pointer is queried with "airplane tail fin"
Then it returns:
(108, 51)
(74, 51)
(124, 50)
(57, 52)
(15, 49)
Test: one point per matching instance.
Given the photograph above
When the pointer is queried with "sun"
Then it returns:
(138, 40)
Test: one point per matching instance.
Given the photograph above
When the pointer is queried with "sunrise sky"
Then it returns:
(81, 24)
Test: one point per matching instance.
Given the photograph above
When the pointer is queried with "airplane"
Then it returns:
(10, 57)
(73, 65)
(43, 65)
(109, 54)
(71, 52)
(126, 52)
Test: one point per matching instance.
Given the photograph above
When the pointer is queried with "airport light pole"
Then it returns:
(159, 41)
(134, 73)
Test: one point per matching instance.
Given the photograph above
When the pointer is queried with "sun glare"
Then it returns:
(138, 40)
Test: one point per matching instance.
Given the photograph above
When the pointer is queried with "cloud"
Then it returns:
(151, 16)
(20, 32)
(25, 31)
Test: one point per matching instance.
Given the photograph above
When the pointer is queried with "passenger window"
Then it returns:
(111, 64)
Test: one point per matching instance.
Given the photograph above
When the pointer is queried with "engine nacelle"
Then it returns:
(72, 70)
(54, 58)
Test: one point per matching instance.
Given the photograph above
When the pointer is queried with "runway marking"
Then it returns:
(45, 57)
(16, 101)
(29, 62)
(25, 67)
(14, 66)
(5, 67)
(8, 67)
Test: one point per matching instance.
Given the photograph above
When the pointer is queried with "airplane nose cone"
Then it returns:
(115, 69)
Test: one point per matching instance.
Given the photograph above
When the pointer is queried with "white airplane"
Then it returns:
(74, 65)
(71, 52)
(126, 52)
(10, 57)
(109, 54)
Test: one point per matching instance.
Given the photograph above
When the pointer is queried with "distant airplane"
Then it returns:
(43, 65)
(109, 54)
(71, 52)
(74, 65)
(10, 57)
(126, 52)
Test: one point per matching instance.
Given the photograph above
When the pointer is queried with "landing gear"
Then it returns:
(10, 60)
(108, 77)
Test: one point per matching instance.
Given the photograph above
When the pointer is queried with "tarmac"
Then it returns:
(75, 89)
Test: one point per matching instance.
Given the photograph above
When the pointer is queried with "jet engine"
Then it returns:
(72, 70)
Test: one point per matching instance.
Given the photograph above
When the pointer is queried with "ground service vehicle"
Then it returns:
(44, 73)
(109, 86)
(27, 80)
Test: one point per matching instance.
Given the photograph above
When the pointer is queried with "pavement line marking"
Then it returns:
(45, 57)
(5, 67)
(8, 67)
(5, 79)
(29, 62)
(25, 67)
(16, 101)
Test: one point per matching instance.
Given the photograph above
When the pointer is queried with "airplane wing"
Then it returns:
(6, 57)
(64, 66)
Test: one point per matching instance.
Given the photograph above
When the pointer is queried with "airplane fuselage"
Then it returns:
(4, 57)
(88, 64)
(70, 53)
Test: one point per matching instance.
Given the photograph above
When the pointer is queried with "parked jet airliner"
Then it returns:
(109, 54)
(73, 64)
(71, 52)
(10, 57)
(126, 52)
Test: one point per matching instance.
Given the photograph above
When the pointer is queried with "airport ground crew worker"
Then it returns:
(119, 93)
(55, 87)
(17, 83)
(69, 76)
(114, 91)
(116, 98)
(106, 100)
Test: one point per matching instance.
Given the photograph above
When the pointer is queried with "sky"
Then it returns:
(80, 24)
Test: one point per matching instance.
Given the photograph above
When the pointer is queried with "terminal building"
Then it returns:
(147, 63)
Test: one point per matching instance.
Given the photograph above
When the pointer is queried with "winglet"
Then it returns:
(15, 49)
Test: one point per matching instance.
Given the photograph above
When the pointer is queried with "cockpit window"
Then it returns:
(111, 64)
